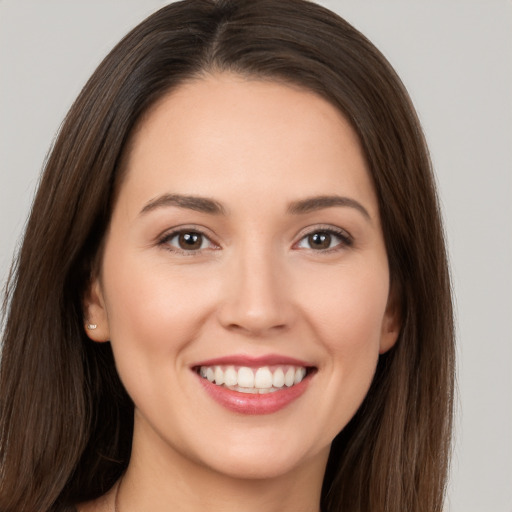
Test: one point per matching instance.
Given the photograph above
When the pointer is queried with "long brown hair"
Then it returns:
(65, 420)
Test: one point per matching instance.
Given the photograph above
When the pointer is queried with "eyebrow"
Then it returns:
(210, 206)
(312, 204)
(199, 204)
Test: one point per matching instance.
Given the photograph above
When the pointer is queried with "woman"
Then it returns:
(232, 291)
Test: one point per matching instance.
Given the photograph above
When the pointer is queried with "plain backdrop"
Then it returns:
(454, 56)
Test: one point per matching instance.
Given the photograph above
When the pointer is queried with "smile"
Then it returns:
(248, 385)
(265, 379)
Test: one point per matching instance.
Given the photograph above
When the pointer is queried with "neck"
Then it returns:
(159, 479)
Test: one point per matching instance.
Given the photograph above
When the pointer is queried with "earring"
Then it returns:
(91, 327)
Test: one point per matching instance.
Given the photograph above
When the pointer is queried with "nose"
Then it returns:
(257, 299)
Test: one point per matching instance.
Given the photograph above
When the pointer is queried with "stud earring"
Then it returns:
(91, 327)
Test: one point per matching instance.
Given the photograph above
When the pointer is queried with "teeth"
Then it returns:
(289, 377)
(278, 378)
(299, 375)
(244, 390)
(245, 377)
(263, 378)
(257, 381)
(219, 375)
(230, 377)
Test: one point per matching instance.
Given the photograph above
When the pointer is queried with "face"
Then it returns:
(244, 282)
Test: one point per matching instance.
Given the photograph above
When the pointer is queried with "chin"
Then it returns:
(263, 461)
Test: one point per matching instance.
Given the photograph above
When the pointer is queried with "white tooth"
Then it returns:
(210, 375)
(265, 390)
(246, 390)
(219, 376)
(263, 378)
(278, 378)
(202, 372)
(299, 375)
(245, 377)
(289, 376)
(230, 376)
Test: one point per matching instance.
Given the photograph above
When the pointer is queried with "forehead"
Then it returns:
(225, 133)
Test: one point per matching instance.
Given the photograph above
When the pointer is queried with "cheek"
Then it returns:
(349, 308)
(348, 320)
(153, 310)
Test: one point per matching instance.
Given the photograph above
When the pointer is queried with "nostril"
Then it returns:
(256, 328)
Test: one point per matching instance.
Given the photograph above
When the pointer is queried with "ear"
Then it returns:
(95, 313)
(392, 321)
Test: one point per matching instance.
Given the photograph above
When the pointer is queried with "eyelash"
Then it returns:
(345, 240)
(166, 239)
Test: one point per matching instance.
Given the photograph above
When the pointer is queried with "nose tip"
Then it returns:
(256, 301)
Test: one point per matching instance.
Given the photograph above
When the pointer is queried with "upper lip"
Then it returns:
(253, 362)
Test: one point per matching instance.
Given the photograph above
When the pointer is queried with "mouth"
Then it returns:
(256, 381)
(254, 385)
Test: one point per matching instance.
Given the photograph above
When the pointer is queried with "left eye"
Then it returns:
(323, 240)
(188, 241)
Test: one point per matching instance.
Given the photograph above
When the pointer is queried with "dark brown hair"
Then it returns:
(65, 420)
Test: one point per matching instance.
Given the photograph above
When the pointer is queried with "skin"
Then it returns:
(257, 286)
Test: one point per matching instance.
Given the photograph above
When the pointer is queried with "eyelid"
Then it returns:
(164, 238)
(346, 238)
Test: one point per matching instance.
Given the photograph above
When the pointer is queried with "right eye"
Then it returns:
(187, 241)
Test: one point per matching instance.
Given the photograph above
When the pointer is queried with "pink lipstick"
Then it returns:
(254, 385)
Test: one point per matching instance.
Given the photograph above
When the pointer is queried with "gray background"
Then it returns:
(454, 56)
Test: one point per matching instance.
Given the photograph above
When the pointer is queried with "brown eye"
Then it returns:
(320, 240)
(325, 240)
(187, 241)
(190, 241)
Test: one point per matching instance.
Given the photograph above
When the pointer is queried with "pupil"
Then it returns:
(320, 240)
(190, 241)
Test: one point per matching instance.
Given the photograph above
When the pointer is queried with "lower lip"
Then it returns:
(246, 403)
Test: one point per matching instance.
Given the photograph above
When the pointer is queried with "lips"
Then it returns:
(249, 385)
